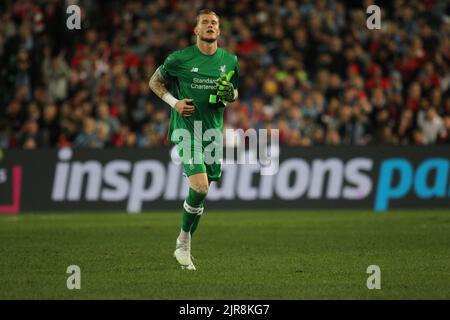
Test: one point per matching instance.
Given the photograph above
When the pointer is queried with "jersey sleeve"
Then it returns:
(235, 78)
(170, 66)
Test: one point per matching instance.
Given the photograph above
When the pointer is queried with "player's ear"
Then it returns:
(196, 31)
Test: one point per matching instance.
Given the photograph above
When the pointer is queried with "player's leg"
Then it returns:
(214, 171)
(193, 206)
(198, 188)
(197, 217)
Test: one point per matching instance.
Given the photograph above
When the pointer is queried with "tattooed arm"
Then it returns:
(158, 84)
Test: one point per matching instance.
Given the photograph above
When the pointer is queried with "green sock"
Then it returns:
(196, 220)
(191, 206)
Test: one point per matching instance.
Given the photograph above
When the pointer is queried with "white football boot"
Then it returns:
(183, 254)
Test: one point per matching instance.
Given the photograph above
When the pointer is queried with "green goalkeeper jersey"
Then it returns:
(193, 75)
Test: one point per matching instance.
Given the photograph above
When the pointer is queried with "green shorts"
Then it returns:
(199, 165)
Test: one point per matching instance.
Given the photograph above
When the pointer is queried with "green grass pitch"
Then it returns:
(238, 255)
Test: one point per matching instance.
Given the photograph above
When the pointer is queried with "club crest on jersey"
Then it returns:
(191, 163)
(223, 69)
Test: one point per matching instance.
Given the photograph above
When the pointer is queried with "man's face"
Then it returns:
(207, 27)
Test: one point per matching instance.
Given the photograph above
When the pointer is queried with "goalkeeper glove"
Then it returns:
(225, 90)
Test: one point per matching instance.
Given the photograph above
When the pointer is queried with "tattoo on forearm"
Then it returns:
(158, 84)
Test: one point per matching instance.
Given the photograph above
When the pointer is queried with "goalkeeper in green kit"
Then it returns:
(197, 82)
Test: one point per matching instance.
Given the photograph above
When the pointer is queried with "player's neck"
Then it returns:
(207, 48)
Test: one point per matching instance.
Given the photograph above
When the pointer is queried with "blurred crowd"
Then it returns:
(312, 69)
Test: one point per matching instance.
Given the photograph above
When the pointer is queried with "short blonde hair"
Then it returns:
(205, 11)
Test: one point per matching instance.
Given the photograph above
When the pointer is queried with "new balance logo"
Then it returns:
(194, 69)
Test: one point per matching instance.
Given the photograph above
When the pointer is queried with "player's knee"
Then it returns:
(201, 188)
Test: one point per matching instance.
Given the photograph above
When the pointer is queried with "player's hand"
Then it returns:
(225, 89)
(183, 108)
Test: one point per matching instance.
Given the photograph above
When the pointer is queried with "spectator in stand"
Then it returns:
(49, 125)
(88, 138)
(431, 125)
